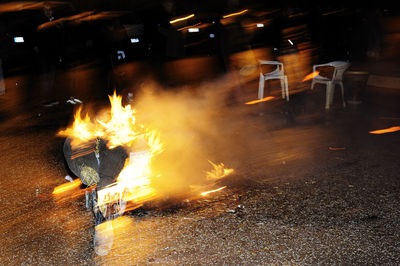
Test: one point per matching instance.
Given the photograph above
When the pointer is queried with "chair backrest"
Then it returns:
(340, 68)
(279, 67)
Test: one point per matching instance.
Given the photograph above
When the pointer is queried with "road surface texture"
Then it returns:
(310, 187)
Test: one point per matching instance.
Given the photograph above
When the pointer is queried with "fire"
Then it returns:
(82, 130)
(67, 186)
(218, 172)
(311, 75)
(386, 130)
(136, 183)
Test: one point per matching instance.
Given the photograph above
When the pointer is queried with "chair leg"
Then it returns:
(261, 87)
(332, 92)
(329, 95)
(287, 89)
(344, 103)
(283, 88)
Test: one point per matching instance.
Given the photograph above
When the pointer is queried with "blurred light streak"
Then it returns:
(262, 100)
(191, 26)
(386, 130)
(212, 191)
(193, 30)
(311, 75)
(260, 25)
(235, 14)
(181, 19)
(67, 186)
(337, 148)
(18, 39)
(290, 42)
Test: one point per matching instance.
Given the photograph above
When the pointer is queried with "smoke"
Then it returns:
(189, 122)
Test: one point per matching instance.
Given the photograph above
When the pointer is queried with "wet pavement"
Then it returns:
(310, 187)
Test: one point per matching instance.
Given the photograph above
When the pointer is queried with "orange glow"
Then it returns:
(67, 187)
(82, 130)
(137, 182)
(181, 19)
(262, 100)
(311, 75)
(218, 172)
(236, 14)
(337, 148)
(386, 130)
(212, 191)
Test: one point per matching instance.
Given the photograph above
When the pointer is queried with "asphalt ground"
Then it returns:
(310, 187)
(319, 189)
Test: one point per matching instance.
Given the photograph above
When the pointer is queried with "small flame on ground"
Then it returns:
(212, 191)
(218, 172)
(311, 75)
(261, 100)
(386, 130)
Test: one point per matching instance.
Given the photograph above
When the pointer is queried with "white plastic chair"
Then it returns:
(337, 79)
(278, 73)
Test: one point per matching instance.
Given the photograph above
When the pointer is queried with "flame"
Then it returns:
(386, 130)
(136, 183)
(311, 75)
(218, 172)
(261, 100)
(82, 130)
(67, 187)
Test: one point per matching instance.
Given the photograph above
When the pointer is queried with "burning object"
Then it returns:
(116, 154)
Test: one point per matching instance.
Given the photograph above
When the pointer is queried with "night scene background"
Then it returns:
(313, 173)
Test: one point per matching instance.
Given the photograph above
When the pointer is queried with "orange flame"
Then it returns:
(67, 186)
(261, 100)
(311, 75)
(218, 172)
(136, 181)
(386, 130)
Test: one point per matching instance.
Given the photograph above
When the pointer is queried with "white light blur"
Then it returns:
(18, 39)
(212, 35)
(290, 42)
(193, 30)
(134, 40)
(260, 25)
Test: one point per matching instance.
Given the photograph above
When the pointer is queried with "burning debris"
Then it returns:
(124, 165)
(120, 159)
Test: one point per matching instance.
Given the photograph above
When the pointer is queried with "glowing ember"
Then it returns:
(212, 191)
(311, 75)
(262, 100)
(386, 130)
